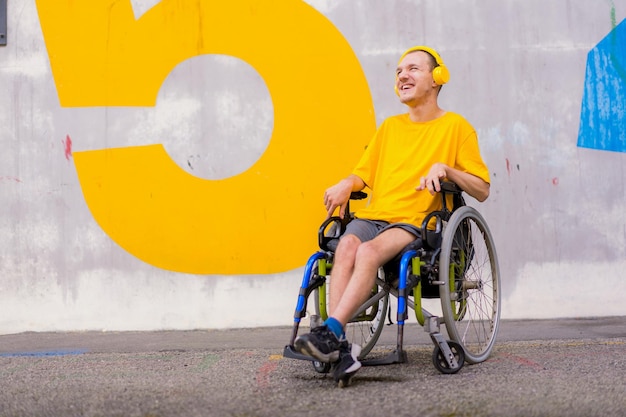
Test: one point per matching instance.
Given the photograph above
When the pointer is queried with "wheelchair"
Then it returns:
(454, 260)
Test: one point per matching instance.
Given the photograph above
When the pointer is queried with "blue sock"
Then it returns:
(335, 327)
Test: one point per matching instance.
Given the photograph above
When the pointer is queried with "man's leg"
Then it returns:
(343, 267)
(358, 231)
(368, 258)
(324, 342)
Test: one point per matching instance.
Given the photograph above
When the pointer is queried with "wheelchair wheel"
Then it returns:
(440, 362)
(366, 326)
(321, 367)
(470, 294)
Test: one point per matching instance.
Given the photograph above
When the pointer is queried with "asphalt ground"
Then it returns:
(572, 367)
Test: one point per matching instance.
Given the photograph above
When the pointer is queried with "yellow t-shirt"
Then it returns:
(401, 152)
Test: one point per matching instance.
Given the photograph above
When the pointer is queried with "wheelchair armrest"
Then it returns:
(354, 195)
(358, 195)
(330, 231)
(450, 187)
(432, 238)
(333, 227)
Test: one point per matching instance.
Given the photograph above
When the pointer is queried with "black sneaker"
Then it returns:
(347, 365)
(321, 344)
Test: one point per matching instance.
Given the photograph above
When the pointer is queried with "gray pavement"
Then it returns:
(569, 367)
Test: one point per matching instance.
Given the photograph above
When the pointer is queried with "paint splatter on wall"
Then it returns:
(67, 147)
(603, 113)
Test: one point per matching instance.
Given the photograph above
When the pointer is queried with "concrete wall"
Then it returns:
(100, 229)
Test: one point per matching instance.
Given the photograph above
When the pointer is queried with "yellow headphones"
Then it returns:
(441, 75)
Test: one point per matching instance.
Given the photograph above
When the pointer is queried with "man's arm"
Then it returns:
(471, 184)
(339, 194)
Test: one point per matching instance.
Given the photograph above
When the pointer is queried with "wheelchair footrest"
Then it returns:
(290, 352)
(397, 356)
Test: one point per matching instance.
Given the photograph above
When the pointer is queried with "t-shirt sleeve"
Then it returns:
(469, 159)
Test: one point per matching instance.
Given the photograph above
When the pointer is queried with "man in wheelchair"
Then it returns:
(403, 165)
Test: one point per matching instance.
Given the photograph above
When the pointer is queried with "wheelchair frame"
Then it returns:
(455, 262)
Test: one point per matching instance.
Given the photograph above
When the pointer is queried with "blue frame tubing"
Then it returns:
(305, 291)
(402, 290)
(405, 261)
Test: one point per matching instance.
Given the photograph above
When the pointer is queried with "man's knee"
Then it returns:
(348, 244)
(346, 250)
(368, 252)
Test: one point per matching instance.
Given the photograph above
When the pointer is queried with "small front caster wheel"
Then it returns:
(441, 362)
(321, 367)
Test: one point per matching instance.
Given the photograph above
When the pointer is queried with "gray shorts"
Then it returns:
(368, 229)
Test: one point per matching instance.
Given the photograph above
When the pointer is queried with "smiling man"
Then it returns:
(402, 165)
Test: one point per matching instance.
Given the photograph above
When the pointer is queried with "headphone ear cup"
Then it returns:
(441, 75)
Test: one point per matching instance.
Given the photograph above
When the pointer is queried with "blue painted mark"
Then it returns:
(57, 352)
(603, 113)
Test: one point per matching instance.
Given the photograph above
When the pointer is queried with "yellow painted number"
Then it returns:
(263, 220)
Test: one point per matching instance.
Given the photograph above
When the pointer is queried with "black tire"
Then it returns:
(440, 362)
(321, 367)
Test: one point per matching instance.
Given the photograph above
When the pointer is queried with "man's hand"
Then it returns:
(338, 196)
(432, 181)
(471, 184)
